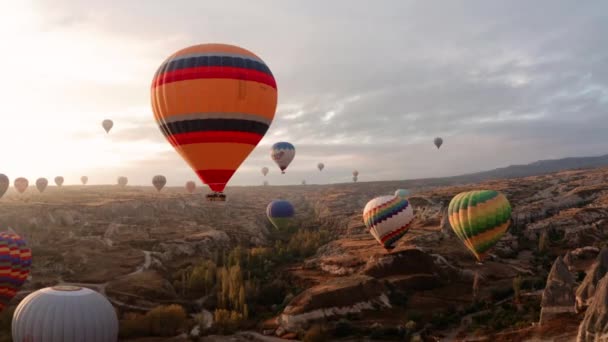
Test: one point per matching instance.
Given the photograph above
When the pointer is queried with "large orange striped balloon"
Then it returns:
(214, 103)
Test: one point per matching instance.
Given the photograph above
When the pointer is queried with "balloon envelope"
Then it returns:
(159, 182)
(355, 173)
(214, 103)
(41, 184)
(479, 219)
(438, 142)
(16, 260)
(320, 166)
(280, 213)
(67, 314)
(355, 178)
(190, 186)
(402, 193)
(84, 180)
(4, 184)
(21, 184)
(282, 153)
(388, 218)
(59, 181)
(107, 125)
(265, 170)
(122, 181)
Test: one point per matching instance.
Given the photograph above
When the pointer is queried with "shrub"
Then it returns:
(166, 320)
(315, 334)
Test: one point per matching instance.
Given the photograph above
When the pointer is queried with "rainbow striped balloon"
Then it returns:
(15, 262)
(388, 218)
(480, 218)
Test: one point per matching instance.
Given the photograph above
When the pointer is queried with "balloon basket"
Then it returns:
(216, 197)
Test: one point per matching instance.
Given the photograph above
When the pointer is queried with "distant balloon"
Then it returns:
(265, 183)
(41, 184)
(264, 170)
(15, 259)
(122, 181)
(388, 218)
(402, 193)
(59, 181)
(479, 219)
(65, 313)
(190, 186)
(280, 213)
(159, 182)
(21, 184)
(320, 166)
(355, 178)
(84, 180)
(438, 142)
(4, 184)
(356, 173)
(107, 125)
(303, 182)
(214, 103)
(282, 153)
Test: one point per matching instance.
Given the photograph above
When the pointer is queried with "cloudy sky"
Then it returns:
(363, 85)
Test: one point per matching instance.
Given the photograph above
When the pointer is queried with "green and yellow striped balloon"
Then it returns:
(480, 218)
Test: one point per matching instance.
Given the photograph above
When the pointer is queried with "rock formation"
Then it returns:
(594, 327)
(558, 296)
(587, 289)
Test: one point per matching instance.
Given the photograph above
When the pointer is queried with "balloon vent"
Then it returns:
(66, 288)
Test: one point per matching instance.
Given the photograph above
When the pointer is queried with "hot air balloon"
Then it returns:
(107, 125)
(355, 178)
(438, 142)
(84, 180)
(4, 183)
(320, 166)
(122, 181)
(190, 186)
(402, 193)
(67, 314)
(303, 182)
(388, 218)
(15, 262)
(265, 183)
(21, 184)
(59, 181)
(41, 184)
(214, 103)
(159, 182)
(355, 173)
(280, 213)
(282, 153)
(479, 219)
(264, 170)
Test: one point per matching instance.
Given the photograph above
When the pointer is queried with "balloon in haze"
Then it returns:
(402, 193)
(480, 218)
(265, 183)
(282, 153)
(355, 178)
(303, 182)
(15, 260)
(107, 125)
(59, 181)
(320, 166)
(280, 213)
(438, 142)
(159, 182)
(4, 184)
(84, 180)
(265, 170)
(214, 103)
(355, 173)
(388, 218)
(67, 314)
(21, 184)
(190, 186)
(122, 181)
(41, 184)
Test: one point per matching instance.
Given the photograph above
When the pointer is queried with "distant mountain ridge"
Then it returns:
(537, 168)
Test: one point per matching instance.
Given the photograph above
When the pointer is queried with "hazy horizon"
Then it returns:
(360, 87)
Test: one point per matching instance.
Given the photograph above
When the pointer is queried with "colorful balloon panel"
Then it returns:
(15, 263)
(388, 218)
(280, 213)
(282, 153)
(4, 184)
(214, 103)
(480, 218)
